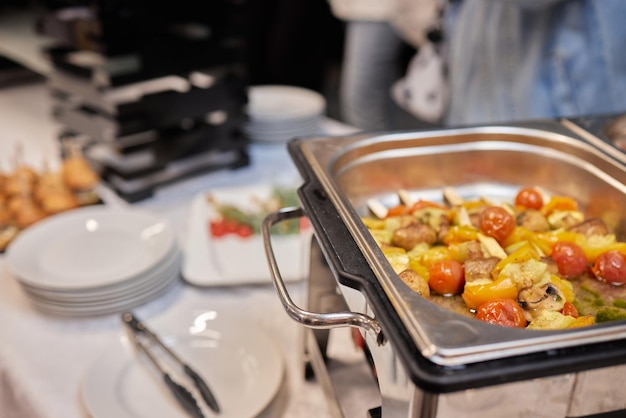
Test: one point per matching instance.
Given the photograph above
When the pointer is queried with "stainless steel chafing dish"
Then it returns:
(431, 362)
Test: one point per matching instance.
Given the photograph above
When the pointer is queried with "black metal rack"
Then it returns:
(156, 93)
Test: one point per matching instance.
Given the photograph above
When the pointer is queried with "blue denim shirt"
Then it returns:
(526, 59)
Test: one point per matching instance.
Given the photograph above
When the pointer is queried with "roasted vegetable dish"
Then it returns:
(536, 262)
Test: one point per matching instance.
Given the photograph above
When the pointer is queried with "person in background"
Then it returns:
(533, 59)
(380, 37)
(496, 61)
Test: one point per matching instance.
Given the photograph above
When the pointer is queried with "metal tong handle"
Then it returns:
(137, 326)
(309, 319)
(182, 395)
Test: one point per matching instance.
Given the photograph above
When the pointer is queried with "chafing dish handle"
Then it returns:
(306, 318)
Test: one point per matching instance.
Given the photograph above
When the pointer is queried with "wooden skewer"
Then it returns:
(451, 196)
(491, 245)
(405, 198)
(463, 216)
(377, 208)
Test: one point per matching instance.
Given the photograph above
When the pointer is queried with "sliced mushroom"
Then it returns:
(541, 298)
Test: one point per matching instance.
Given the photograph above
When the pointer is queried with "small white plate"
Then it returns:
(142, 282)
(114, 307)
(231, 260)
(89, 248)
(275, 102)
(241, 364)
(116, 302)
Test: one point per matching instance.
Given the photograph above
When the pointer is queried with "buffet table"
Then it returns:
(43, 358)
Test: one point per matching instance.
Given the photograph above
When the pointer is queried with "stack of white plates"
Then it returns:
(95, 260)
(279, 113)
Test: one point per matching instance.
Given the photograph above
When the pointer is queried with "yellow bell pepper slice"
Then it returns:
(459, 251)
(475, 295)
(419, 269)
(397, 257)
(559, 203)
(594, 246)
(373, 223)
(461, 233)
(524, 253)
(542, 241)
(583, 321)
(567, 236)
(564, 286)
(434, 254)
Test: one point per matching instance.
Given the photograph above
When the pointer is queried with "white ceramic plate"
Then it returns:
(232, 260)
(89, 248)
(120, 299)
(109, 307)
(282, 125)
(274, 102)
(281, 135)
(139, 283)
(241, 364)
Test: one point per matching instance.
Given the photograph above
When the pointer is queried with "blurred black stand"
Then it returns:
(156, 91)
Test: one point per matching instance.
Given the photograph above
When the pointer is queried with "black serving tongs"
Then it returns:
(183, 396)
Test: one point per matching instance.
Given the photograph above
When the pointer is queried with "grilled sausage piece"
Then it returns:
(411, 235)
(474, 250)
(416, 282)
(593, 226)
(479, 268)
(533, 220)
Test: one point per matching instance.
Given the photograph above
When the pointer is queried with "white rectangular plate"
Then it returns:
(232, 260)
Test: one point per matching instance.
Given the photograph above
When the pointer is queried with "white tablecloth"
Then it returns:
(44, 358)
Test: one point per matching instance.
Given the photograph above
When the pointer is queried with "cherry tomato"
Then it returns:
(230, 226)
(421, 204)
(398, 211)
(217, 228)
(244, 231)
(529, 198)
(505, 312)
(496, 222)
(569, 309)
(570, 258)
(610, 267)
(446, 277)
